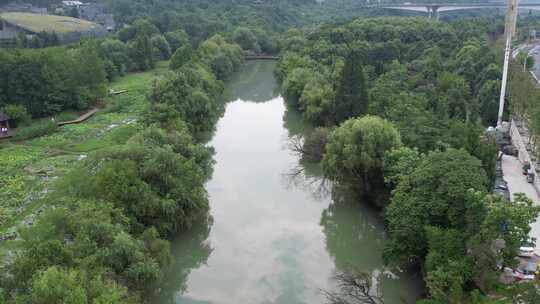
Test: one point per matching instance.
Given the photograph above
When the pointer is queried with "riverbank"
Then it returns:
(30, 166)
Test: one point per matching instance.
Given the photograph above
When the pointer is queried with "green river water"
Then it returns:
(273, 236)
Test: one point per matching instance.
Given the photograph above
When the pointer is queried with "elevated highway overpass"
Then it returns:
(434, 9)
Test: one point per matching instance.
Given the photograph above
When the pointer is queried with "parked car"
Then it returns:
(501, 188)
(526, 251)
(510, 150)
(526, 167)
(530, 176)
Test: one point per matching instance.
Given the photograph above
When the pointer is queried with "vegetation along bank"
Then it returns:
(401, 105)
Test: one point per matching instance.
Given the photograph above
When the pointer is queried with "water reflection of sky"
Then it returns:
(272, 243)
(254, 83)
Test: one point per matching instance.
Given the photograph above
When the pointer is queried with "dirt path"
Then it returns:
(81, 118)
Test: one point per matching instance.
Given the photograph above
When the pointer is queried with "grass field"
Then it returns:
(29, 167)
(49, 23)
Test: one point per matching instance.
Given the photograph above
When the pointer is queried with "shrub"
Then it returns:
(36, 130)
(17, 113)
(66, 116)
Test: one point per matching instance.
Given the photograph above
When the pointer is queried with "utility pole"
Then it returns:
(509, 31)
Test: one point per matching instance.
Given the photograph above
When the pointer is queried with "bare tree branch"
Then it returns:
(355, 287)
(317, 185)
(296, 145)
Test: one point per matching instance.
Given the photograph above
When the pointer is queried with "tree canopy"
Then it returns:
(355, 150)
(432, 195)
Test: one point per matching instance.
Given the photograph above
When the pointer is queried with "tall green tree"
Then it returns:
(351, 92)
(488, 101)
(90, 75)
(115, 54)
(162, 49)
(142, 52)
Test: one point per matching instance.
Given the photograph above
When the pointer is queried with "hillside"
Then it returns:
(49, 23)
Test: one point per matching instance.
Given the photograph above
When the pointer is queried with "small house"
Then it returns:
(72, 3)
(4, 124)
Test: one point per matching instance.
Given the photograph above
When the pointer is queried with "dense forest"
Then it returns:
(399, 107)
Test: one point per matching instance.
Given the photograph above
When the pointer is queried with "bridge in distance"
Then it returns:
(433, 9)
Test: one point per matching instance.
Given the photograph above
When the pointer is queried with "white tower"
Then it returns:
(509, 31)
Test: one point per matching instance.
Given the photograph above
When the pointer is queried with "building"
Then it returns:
(23, 7)
(72, 3)
(9, 33)
(4, 124)
(94, 12)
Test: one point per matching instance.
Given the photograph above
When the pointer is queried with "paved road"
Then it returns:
(517, 183)
(534, 51)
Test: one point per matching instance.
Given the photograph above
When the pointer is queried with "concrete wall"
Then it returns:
(8, 31)
(98, 32)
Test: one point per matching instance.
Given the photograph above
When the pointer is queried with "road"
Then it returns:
(534, 50)
(512, 170)
(517, 183)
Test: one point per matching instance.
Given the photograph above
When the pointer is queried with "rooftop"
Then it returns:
(48, 23)
(3, 117)
(72, 3)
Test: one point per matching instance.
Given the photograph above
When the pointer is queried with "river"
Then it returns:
(274, 236)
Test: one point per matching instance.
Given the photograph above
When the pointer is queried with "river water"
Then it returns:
(275, 235)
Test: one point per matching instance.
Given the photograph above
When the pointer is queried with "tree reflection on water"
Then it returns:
(190, 250)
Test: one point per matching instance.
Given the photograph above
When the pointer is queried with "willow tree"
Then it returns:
(356, 149)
